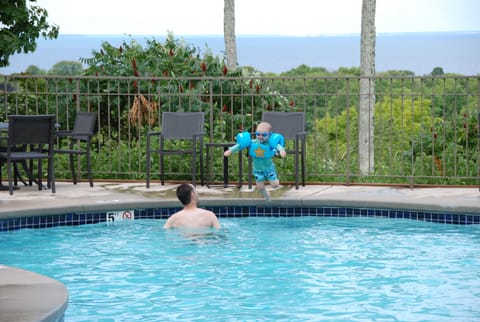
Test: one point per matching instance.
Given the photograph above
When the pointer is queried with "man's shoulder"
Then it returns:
(206, 212)
(176, 214)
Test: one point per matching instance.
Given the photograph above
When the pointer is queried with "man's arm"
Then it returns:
(215, 223)
(213, 219)
(169, 222)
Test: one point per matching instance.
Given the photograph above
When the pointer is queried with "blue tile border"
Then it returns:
(72, 219)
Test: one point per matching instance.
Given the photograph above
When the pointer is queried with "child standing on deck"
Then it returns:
(262, 149)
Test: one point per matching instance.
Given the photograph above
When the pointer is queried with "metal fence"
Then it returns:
(425, 129)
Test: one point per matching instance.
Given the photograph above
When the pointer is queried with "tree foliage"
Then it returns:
(173, 76)
(423, 126)
(35, 70)
(66, 67)
(437, 71)
(21, 24)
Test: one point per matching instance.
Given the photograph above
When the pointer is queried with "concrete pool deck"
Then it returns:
(23, 292)
(28, 201)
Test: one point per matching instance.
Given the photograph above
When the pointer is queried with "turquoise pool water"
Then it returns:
(259, 268)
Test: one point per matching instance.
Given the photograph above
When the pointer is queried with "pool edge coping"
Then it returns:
(23, 289)
(235, 202)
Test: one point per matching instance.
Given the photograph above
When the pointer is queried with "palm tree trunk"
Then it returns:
(229, 33)
(367, 89)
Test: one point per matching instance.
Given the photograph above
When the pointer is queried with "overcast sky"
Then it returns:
(258, 17)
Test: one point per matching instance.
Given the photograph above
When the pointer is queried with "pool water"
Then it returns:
(259, 268)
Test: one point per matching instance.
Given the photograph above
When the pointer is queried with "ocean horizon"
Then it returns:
(420, 53)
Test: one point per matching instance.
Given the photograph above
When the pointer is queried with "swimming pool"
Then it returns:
(259, 268)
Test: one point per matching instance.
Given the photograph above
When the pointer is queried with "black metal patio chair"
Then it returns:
(22, 163)
(187, 130)
(79, 142)
(36, 133)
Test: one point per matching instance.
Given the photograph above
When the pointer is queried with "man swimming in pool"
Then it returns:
(191, 216)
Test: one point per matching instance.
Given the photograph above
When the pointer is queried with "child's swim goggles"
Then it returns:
(264, 134)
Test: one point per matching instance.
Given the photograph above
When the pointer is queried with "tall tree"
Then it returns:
(21, 24)
(229, 33)
(367, 88)
(66, 67)
(35, 70)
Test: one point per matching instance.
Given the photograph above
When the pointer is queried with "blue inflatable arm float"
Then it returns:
(244, 140)
(276, 139)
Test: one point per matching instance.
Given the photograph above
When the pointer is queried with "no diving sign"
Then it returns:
(120, 215)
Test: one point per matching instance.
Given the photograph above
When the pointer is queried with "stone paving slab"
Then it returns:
(121, 195)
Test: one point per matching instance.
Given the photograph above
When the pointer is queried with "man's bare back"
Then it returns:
(191, 216)
(195, 218)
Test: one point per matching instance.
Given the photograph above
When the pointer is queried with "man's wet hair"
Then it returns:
(184, 193)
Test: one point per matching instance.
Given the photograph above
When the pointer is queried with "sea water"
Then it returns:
(420, 53)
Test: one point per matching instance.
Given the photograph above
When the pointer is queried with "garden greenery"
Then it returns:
(425, 127)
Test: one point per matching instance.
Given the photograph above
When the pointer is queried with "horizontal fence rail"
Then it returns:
(420, 130)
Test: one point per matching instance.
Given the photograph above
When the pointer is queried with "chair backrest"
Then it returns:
(31, 129)
(182, 125)
(286, 123)
(84, 124)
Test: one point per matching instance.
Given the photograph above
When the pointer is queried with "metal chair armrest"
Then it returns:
(301, 135)
(198, 135)
(153, 133)
(73, 135)
(63, 133)
(149, 136)
(81, 134)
